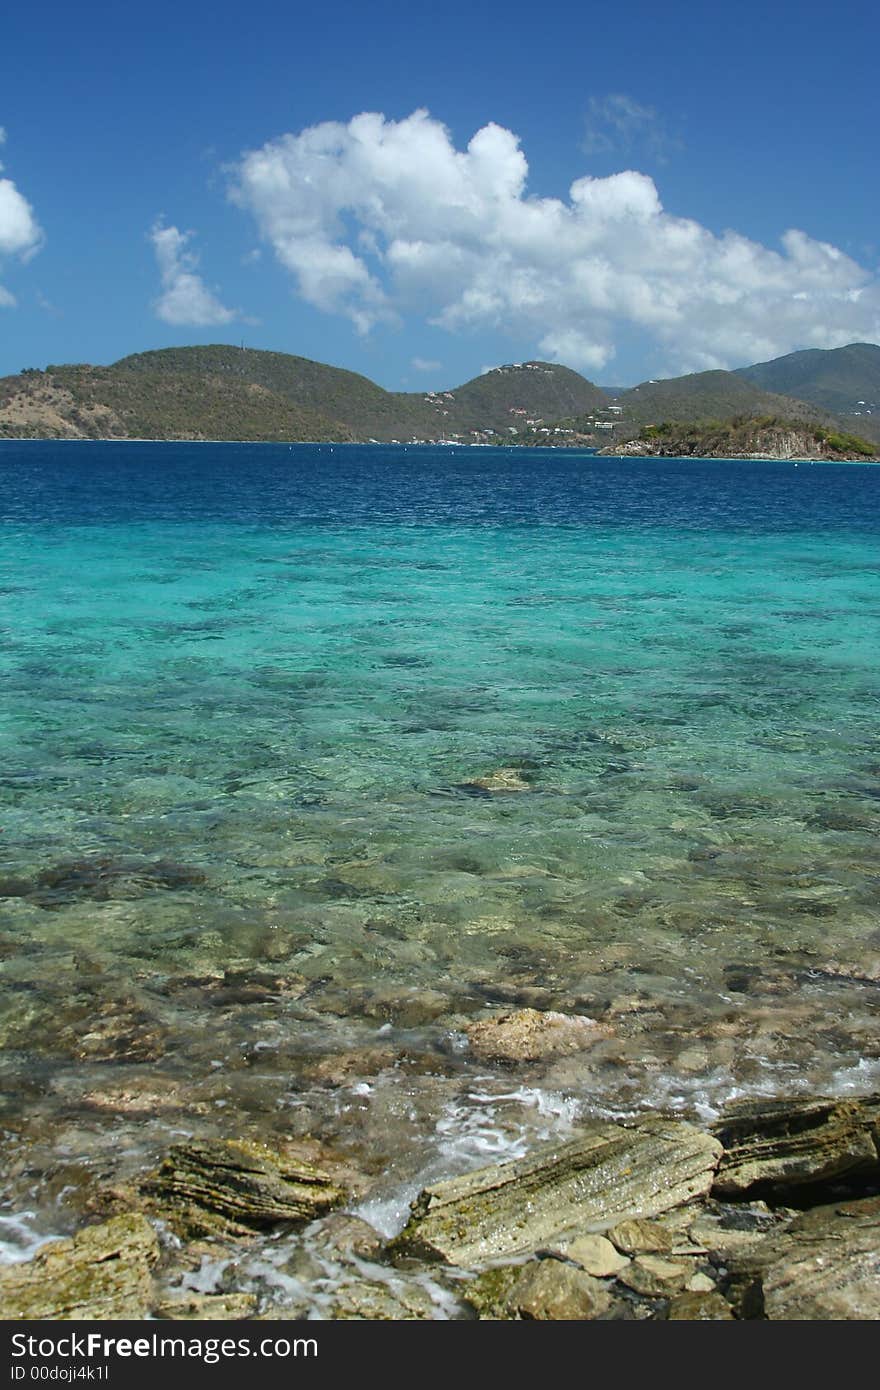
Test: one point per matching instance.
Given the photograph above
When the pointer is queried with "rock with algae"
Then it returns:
(608, 1173)
(103, 1272)
(540, 1291)
(789, 1144)
(233, 1188)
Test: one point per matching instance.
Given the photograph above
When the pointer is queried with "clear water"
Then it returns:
(246, 889)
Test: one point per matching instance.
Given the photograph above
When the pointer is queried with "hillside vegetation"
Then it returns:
(104, 402)
(766, 436)
(844, 381)
(707, 396)
(224, 392)
(221, 392)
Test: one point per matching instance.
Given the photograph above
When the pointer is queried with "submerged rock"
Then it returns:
(607, 1174)
(103, 1272)
(382, 1301)
(102, 879)
(528, 1035)
(224, 1187)
(503, 779)
(789, 1144)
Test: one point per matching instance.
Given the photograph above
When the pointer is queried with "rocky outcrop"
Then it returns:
(103, 1272)
(603, 1176)
(231, 1188)
(775, 1149)
(656, 1219)
(824, 1266)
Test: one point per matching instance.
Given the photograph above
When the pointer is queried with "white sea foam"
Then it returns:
(18, 1239)
(478, 1128)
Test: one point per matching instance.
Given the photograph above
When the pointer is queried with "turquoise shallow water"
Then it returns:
(246, 885)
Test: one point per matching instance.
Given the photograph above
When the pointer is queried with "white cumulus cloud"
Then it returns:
(374, 218)
(20, 232)
(185, 298)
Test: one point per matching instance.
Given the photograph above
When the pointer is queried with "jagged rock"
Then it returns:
(699, 1307)
(655, 1277)
(639, 1237)
(608, 1173)
(726, 1231)
(528, 1035)
(595, 1254)
(224, 1187)
(103, 1272)
(825, 1266)
(207, 1307)
(786, 1145)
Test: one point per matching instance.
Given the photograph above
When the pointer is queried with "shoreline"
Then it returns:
(446, 444)
(770, 1213)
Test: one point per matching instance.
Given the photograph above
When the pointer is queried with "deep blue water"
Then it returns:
(75, 482)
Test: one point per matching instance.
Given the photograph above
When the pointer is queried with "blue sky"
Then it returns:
(635, 191)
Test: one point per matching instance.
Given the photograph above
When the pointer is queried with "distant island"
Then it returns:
(822, 404)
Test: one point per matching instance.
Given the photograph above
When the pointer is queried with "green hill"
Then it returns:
(353, 402)
(222, 392)
(507, 398)
(106, 402)
(844, 381)
(707, 396)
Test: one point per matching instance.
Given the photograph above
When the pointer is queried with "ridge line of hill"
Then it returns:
(220, 392)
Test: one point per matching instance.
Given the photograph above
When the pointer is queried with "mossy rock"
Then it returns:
(102, 1273)
(544, 1290)
(234, 1188)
